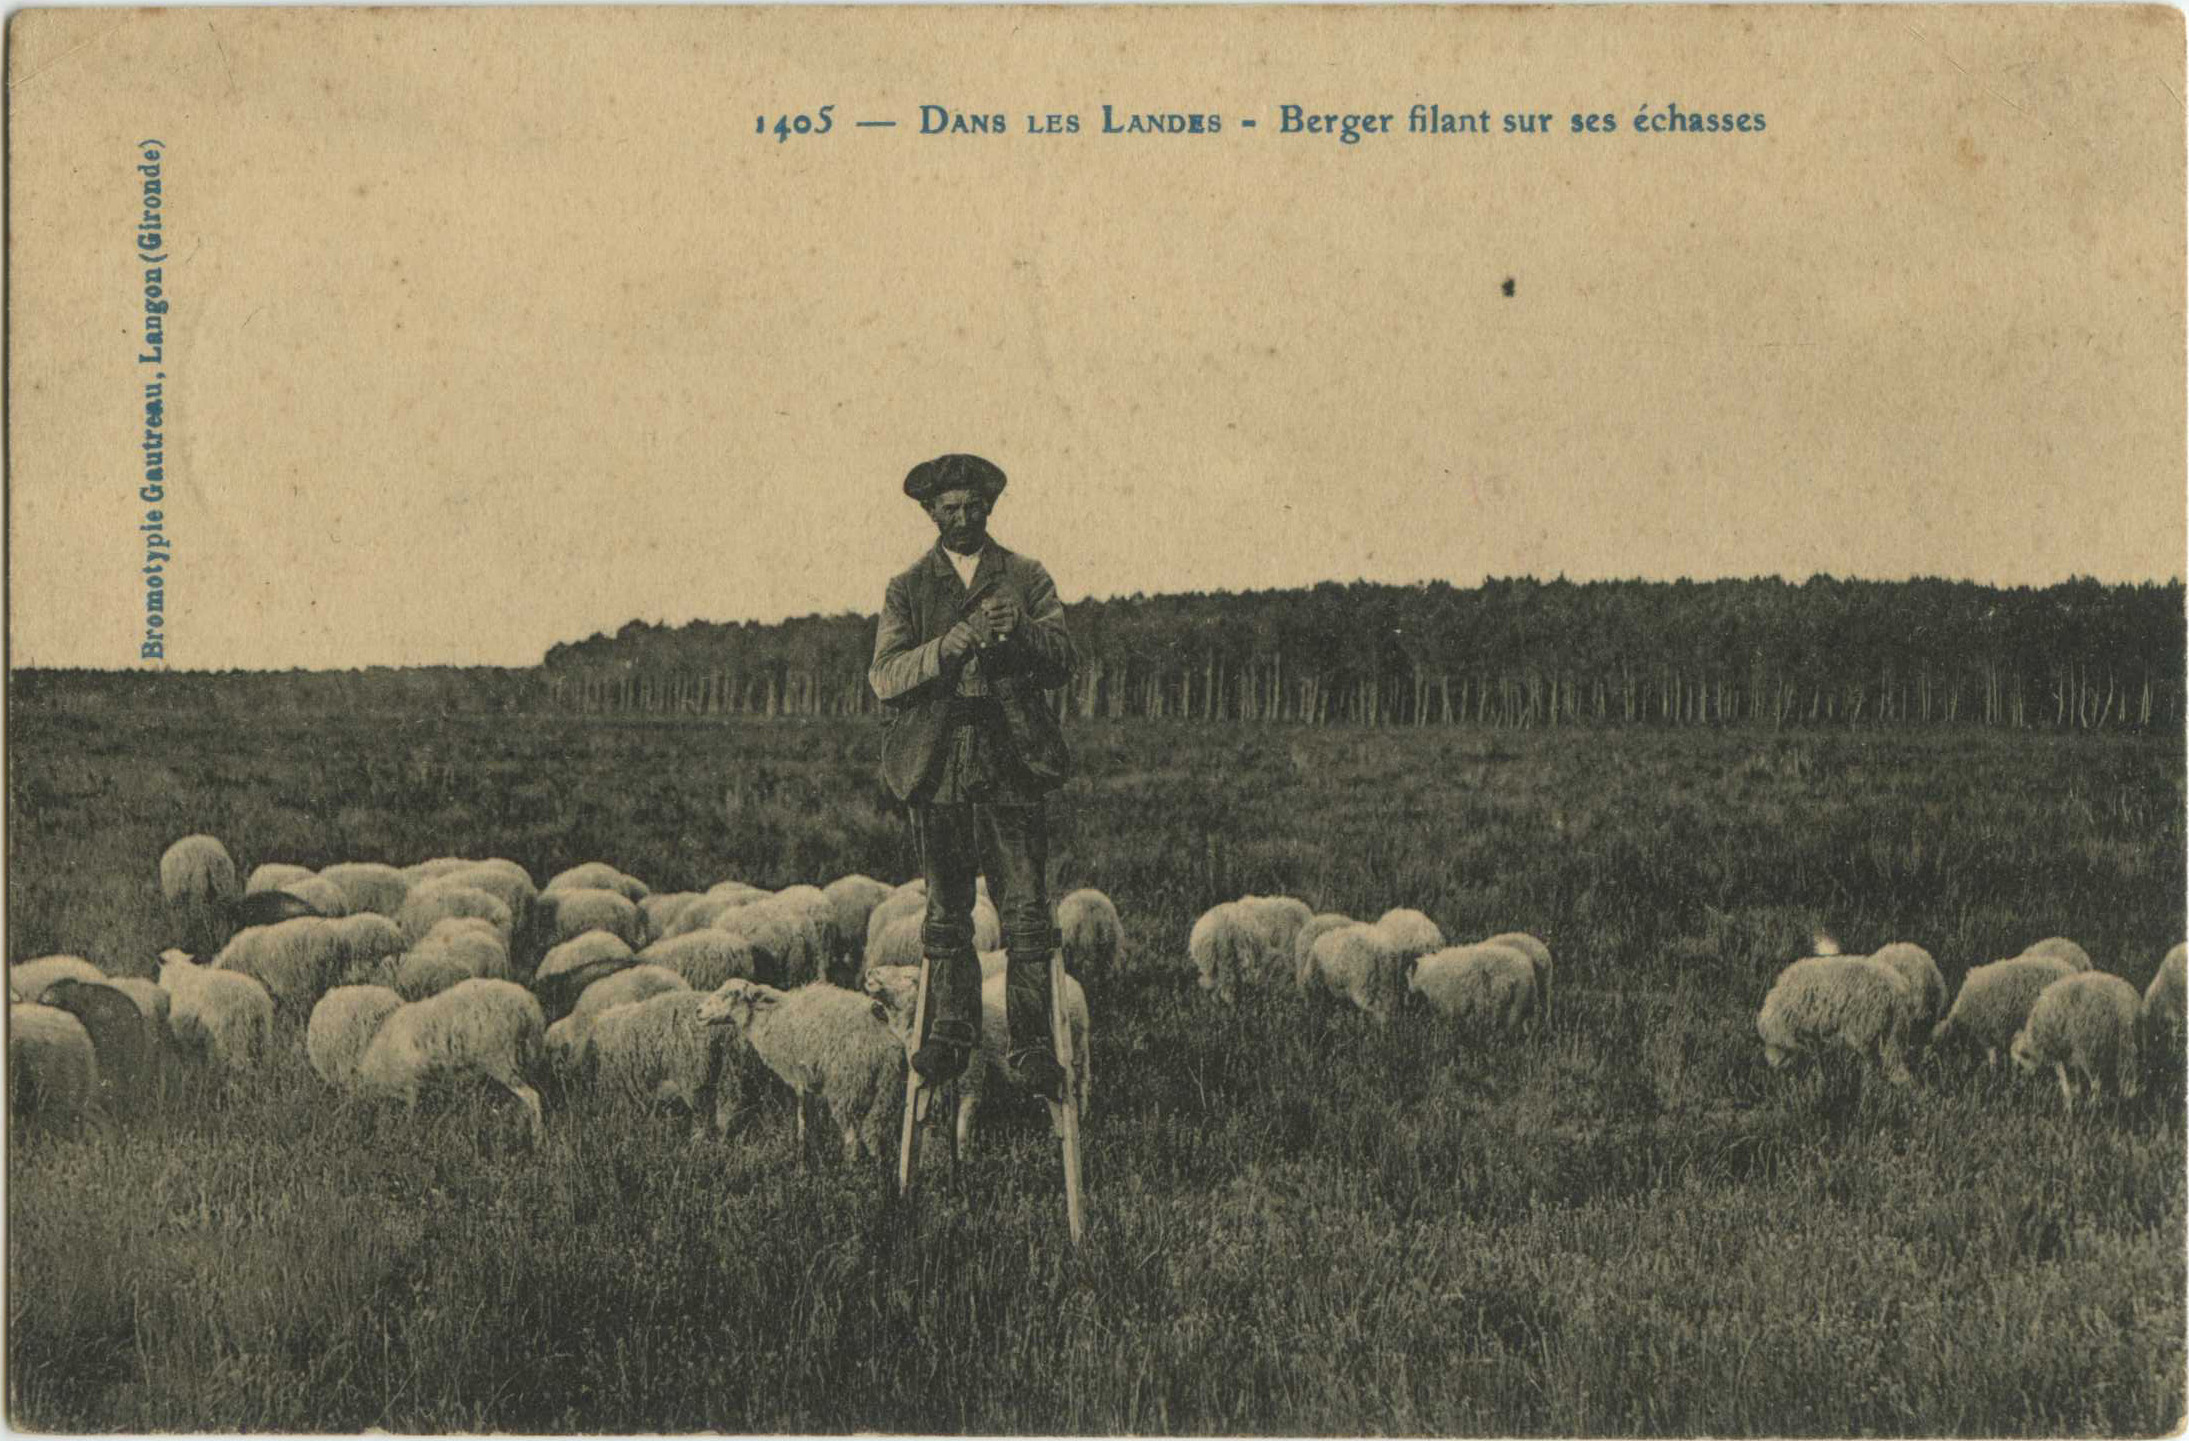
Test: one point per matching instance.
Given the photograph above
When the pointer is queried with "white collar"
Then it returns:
(965, 565)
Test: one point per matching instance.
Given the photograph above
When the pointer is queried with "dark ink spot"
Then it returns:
(1508, 285)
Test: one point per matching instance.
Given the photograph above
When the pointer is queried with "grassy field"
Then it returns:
(1299, 1224)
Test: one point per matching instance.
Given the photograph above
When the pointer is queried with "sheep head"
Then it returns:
(738, 1002)
(895, 990)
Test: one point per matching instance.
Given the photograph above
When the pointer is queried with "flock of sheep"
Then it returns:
(392, 979)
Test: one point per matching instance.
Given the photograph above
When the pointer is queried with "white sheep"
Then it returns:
(224, 1017)
(893, 908)
(2163, 1000)
(1412, 935)
(736, 888)
(660, 910)
(53, 1073)
(813, 903)
(786, 949)
(368, 946)
(297, 961)
(451, 897)
(854, 898)
(701, 914)
(2084, 1025)
(1092, 934)
(566, 1037)
(658, 1048)
(370, 886)
(506, 882)
(567, 969)
(321, 894)
(2060, 948)
(600, 876)
(1313, 929)
(705, 959)
(342, 1026)
(1358, 963)
(1847, 1001)
(1539, 955)
(834, 1049)
(572, 911)
(899, 943)
(1994, 1002)
(27, 980)
(458, 948)
(897, 987)
(198, 882)
(485, 1028)
(1485, 986)
(1921, 973)
(436, 868)
(276, 875)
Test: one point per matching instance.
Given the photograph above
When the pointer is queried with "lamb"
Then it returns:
(897, 988)
(659, 1048)
(458, 948)
(600, 876)
(832, 1047)
(566, 1037)
(342, 1026)
(2060, 948)
(451, 897)
(128, 1050)
(224, 1017)
(1485, 987)
(1538, 955)
(1358, 963)
(1303, 945)
(1921, 973)
(1995, 1001)
(572, 911)
(27, 980)
(53, 1072)
(1849, 1001)
(1092, 935)
(370, 886)
(569, 968)
(705, 959)
(276, 876)
(2086, 1021)
(486, 1028)
(198, 882)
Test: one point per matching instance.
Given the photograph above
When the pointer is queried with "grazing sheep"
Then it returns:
(1484, 987)
(198, 882)
(1994, 1003)
(659, 1049)
(2060, 948)
(322, 895)
(900, 943)
(566, 1037)
(783, 942)
(832, 1047)
(1246, 942)
(572, 911)
(1849, 1001)
(1539, 955)
(897, 988)
(458, 948)
(223, 1017)
(436, 868)
(600, 876)
(342, 1026)
(660, 910)
(506, 882)
(1411, 934)
(567, 969)
(1358, 963)
(276, 876)
(736, 889)
(452, 897)
(705, 959)
(893, 908)
(27, 980)
(1921, 973)
(2087, 1022)
(853, 898)
(1303, 944)
(1087, 920)
(808, 911)
(128, 1049)
(1276, 920)
(2163, 1001)
(703, 913)
(297, 961)
(53, 1072)
(367, 946)
(489, 1029)
(370, 886)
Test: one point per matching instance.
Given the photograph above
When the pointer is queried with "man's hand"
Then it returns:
(1002, 615)
(960, 640)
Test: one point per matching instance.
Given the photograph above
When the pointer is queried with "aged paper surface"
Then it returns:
(494, 328)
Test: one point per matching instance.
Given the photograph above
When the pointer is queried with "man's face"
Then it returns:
(961, 516)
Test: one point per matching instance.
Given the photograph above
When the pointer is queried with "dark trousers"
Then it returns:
(1009, 843)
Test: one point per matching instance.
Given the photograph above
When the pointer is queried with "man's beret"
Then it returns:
(931, 478)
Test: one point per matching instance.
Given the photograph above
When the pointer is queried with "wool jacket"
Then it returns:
(916, 687)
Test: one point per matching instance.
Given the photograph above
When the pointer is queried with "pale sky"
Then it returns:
(493, 329)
